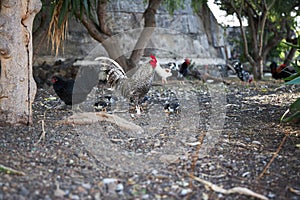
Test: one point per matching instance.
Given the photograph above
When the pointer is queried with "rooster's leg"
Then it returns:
(76, 108)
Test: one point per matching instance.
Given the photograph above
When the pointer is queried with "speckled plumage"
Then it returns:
(134, 87)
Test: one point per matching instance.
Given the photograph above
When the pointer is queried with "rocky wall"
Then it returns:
(180, 35)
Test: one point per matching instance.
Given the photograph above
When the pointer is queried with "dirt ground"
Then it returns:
(239, 124)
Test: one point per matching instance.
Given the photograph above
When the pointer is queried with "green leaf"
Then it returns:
(294, 81)
(293, 76)
(63, 12)
(294, 107)
(294, 116)
(86, 7)
(75, 6)
(292, 45)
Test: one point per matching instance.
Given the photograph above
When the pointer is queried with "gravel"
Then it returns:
(100, 161)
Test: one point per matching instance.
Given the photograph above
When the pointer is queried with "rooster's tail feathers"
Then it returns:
(111, 62)
(114, 71)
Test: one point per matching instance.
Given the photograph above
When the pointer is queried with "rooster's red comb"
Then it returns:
(153, 57)
(187, 61)
(153, 62)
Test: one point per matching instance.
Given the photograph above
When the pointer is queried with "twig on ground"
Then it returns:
(9, 170)
(2, 97)
(294, 191)
(43, 135)
(239, 190)
(196, 155)
(211, 186)
(274, 156)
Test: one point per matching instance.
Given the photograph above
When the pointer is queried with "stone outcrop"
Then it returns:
(184, 34)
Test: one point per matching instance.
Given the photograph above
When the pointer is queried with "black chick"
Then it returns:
(101, 105)
(172, 107)
(75, 91)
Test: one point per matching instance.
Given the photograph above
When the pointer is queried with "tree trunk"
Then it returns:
(290, 56)
(41, 22)
(149, 28)
(260, 69)
(17, 87)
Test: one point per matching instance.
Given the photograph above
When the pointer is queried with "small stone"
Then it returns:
(86, 186)
(97, 196)
(154, 172)
(205, 196)
(47, 197)
(256, 142)
(74, 197)
(185, 191)
(81, 190)
(246, 174)
(211, 168)
(24, 191)
(271, 195)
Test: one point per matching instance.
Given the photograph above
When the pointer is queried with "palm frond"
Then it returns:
(61, 10)
(57, 31)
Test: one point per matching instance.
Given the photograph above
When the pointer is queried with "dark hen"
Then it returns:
(282, 71)
(75, 91)
(183, 70)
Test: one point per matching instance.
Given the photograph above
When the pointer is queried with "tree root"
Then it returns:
(239, 190)
(95, 117)
(43, 135)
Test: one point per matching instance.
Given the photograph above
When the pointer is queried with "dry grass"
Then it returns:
(56, 32)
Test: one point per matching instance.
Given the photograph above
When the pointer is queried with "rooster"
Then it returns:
(163, 73)
(281, 71)
(241, 73)
(183, 70)
(134, 87)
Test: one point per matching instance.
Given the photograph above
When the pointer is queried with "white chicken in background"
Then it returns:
(173, 66)
(162, 72)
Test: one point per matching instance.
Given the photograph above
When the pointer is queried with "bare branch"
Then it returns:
(101, 14)
(262, 25)
(92, 27)
(246, 50)
(253, 30)
(150, 24)
(249, 5)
